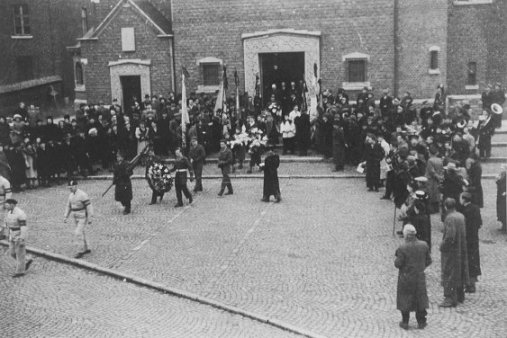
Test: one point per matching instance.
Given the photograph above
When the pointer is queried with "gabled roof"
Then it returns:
(144, 8)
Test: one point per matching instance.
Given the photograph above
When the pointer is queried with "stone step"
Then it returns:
(499, 144)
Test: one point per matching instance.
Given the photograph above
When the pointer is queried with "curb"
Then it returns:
(254, 176)
(168, 290)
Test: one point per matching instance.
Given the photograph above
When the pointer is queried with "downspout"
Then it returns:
(396, 43)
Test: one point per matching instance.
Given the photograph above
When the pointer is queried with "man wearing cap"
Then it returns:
(5, 194)
(15, 222)
(412, 258)
(224, 163)
(197, 154)
(80, 207)
(473, 222)
(181, 166)
(453, 249)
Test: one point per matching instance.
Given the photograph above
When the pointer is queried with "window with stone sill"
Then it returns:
(356, 70)
(21, 20)
(210, 74)
(472, 74)
(79, 73)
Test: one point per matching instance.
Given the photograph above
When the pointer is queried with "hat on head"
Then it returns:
(72, 183)
(16, 116)
(421, 179)
(11, 201)
(421, 194)
(409, 229)
(450, 166)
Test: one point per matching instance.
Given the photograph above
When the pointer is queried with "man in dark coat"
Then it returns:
(454, 256)
(452, 185)
(500, 199)
(474, 170)
(373, 154)
(271, 184)
(412, 257)
(224, 163)
(123, 185)
(419, 217)
(197, 155)
(338, 146)
(473, 222)
(303, 132)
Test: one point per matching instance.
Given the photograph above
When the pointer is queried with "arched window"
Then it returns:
(79, 74)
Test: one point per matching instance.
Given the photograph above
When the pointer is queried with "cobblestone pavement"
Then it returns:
(321, 260)
(56, 300)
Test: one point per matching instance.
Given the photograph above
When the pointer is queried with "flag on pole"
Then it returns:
(236, 81)
(220, 97)
(184, 108)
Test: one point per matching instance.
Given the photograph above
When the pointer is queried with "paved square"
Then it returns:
(321, 260)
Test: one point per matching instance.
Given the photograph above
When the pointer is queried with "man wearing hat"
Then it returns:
(197, 155)
(271, 185)
(452, 185)
(473, 222)
(15, 222)
(412, 258)
(80, 207)
(5, 194)
(453, 249)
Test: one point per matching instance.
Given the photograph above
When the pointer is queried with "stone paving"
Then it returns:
(56, 300)
(321, 260)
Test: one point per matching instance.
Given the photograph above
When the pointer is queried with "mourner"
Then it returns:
(271, 185)
(123, 184)
(473, 223)
(412, 258)
(79, 206)
(454, 256)
(181, 167)
(197, 155)
(224, 163)
(15, 222)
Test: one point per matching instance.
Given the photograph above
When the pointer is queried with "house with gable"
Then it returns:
(127, 55)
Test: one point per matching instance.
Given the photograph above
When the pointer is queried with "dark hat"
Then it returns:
(72, 183)
(466, 195)
(11, 201)
(421, 195)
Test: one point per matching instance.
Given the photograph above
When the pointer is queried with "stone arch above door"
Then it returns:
(279, 41)
(129, 67)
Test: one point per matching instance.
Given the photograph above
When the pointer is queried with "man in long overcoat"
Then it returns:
(435, 174)
(454, 256)
(123, 184)
(412, 257)
(338, 146)
(473, 222)
(373, 154)
(271, 184)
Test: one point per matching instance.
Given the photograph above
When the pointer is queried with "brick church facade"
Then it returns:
(137, 47)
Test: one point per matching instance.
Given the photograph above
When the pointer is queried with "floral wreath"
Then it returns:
(159, 177)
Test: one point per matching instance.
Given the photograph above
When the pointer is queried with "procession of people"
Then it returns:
(427, 159)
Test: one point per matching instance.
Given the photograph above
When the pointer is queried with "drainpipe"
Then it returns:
(396, 43)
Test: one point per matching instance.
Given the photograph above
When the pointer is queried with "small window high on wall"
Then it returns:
(128, 40)
(434, 60)
(21, 20)
(210, 73)
(79, 74)
(472, 74)
(357, 70)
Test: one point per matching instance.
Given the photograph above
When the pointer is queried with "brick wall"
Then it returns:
(422, 24)
(477, 34)
(213, 28)
(108, 48)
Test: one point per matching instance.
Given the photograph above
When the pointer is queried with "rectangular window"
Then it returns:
(357, 70)
(128, 40)
(21, 20)
(472, 74)
(210, 72)
(24, 65)
(434, 59)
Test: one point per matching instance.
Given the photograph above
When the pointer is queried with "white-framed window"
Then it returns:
(434, 60)
(21, 20)
(128, 39)
(472, 2)
(210, 74)
(356, 71)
